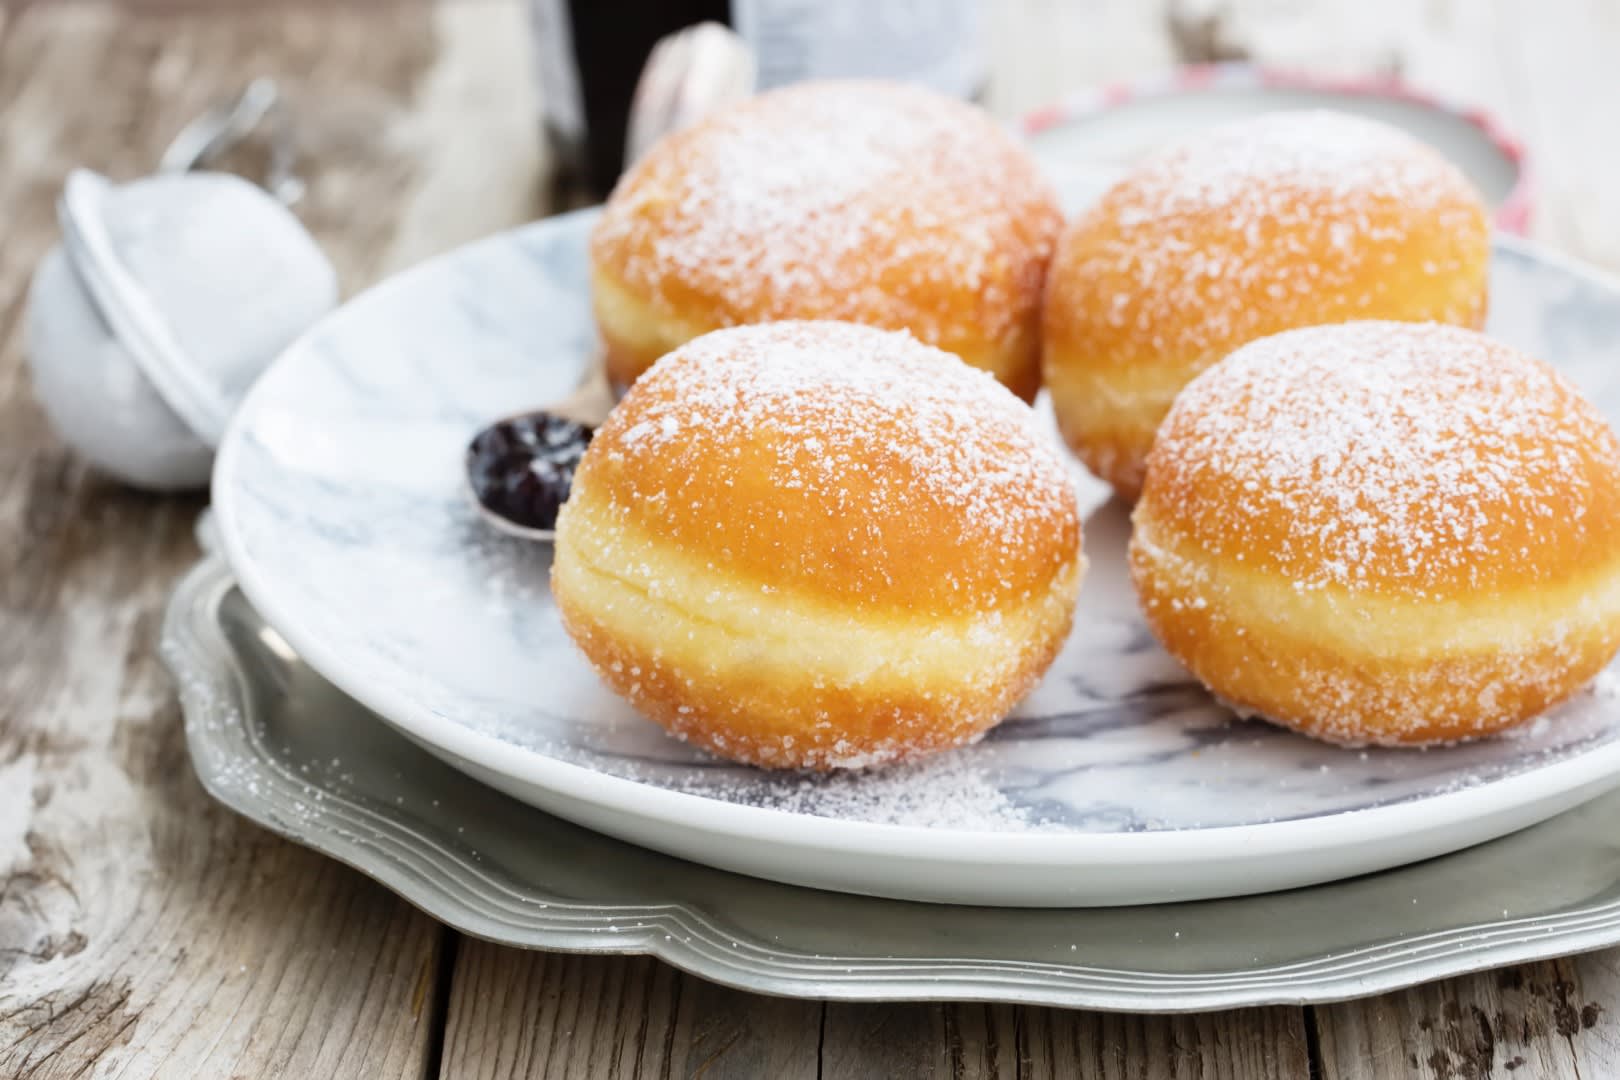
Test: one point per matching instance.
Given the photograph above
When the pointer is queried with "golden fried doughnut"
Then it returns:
(1383, 532)
(1290, 219)
(819, 545)
(867, 201)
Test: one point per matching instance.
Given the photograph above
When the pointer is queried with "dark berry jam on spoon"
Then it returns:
(521, 467)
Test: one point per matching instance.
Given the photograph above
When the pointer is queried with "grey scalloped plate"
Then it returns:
(278, 744)
(1118, 780)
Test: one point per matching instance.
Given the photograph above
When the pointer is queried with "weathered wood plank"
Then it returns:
(725, 1034)
(1243, 1043)
(1003, 1041)
(144, 931)
(1552, 1020)
(1591, 999)
(530, 1014)
(949, 1039)
(516, 1014)
(144, 927)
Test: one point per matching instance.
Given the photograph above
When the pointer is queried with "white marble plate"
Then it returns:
(1119, 781)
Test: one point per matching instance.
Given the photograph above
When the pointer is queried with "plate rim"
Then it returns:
(1588, 771)
(466, 896)
(1513, 214)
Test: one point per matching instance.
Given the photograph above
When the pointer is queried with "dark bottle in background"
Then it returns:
(590, 54)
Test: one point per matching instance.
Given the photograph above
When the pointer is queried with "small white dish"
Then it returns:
(1119, 781)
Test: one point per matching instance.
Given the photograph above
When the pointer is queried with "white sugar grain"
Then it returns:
(1422, 457)
(833, 197)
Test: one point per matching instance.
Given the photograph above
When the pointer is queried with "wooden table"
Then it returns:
(146, 932)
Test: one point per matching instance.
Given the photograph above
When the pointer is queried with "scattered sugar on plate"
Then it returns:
(947, 791)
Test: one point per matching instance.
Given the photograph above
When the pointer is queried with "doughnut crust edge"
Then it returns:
(1286, 220)
(819, 545)
(865, 201)
(1383, 533)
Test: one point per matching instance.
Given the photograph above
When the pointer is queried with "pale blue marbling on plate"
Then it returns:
(341, 506)
(347, 495)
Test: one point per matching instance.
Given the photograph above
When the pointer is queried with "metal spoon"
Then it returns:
(519, 468)
(223, 126)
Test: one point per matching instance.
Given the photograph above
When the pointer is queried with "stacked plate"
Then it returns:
(358, 602)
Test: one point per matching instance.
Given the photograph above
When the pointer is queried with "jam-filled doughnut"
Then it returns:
(1383, 532)
(819, 545)
(867, 201)
(1285, 220)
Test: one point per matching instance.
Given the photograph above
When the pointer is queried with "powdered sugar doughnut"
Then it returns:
(868, 201)
(1285, 220)
(819, 545)
(1383, 533)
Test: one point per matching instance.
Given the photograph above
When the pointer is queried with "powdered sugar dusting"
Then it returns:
(1250, 167)
(852, 199)
(851, 459)
(1421, 458)
(946, 791)
(1288, 219)
(1606, 686)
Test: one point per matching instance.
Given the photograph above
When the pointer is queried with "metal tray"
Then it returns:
(276, 743)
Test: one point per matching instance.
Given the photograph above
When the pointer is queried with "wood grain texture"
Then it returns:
(144, 931)
(522, 1014)
(1549, 1020)
(1005, 1041)
(1264, 1044)
(947, 1039)
(516, 1015)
